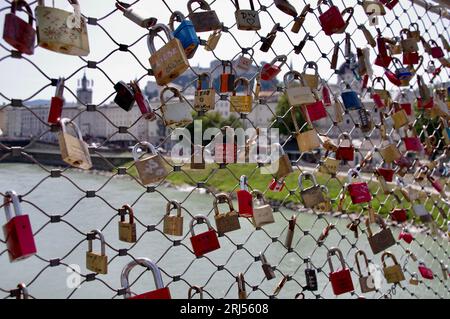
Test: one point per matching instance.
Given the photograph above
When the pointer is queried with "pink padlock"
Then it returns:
(436, 50)
(271, 70)
(426, 272)
(406, 236)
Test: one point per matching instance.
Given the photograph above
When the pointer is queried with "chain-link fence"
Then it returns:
(64, 205)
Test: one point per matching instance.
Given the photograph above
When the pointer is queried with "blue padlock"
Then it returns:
(351, 99)
(402, 72)
(185, 32)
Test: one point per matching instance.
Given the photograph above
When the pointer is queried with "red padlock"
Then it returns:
(383, 59)
(205, 242)
(392, 77)
(407, 107)
(411, 58)
(332, 20)
(245, 199)
(227, 79)
(17, 230)
(277, 185)
(399, 215)
(406, 236)
(413, 144)
(427, 105)
(142, 102)
(390, 4)
(326, 97)
(436, 184)
(387, 173)
(377, 100)
(341, 280)
(56, 104)
(270, 70)
(436, 50)
(359, 191)
(346, 153)
(161, 292)
(316, 111)
(18, 33)
(426, 272)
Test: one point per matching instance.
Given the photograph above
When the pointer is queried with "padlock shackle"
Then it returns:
(352, 173)
(204, 75)
(12, 197)
(243, 182)
(306, 176)
(291, 76)
(222, 198)
(60, 88)
(379, 220)
(366, 261)
(263, 258)
(143, 145)
(144, 262)
(175, 91)
(345, 136)
(241, 282)
(173, 204)
(23, 291)
(175, 16)
(197, 289)
(236, 4)
(197, 218)
(327, 2)
(388, 254)
(311, 65)
(64, 122)
(279, 58)
(203, 5)
(153, 31)
(102, 240)
(257, 194)
(244, 82)
(129, 210)
(335, 251)
(379, 80)
(226, 63)
(19, 5)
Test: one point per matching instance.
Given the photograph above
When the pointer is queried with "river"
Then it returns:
(60, 196)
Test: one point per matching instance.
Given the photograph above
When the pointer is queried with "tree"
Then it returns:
(283, 109)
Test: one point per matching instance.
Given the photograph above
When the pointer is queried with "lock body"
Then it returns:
(19, 238)
(17, 32)
(185, 32)
(205, 243)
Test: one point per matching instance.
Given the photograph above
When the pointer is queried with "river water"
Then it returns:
(66, 240)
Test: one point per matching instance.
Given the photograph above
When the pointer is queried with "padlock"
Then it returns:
(412, 143)
(225, 222)
(205, 99)
(329, 166)
(408, 42)
(414, 280)
(198, 157)
(290, 232)
(383, 184)
(383, 239)
(97, 262)
(127, 230)
(62, 31)
(193, 290)
(242, 294)
(306, 141)
(341, 280)
(270, 70)
(276, 185)
(185, 32)
(399, 215)
(247, 19)
(372, 8)
(406, 236)
(173, 225)
(392, 77)
(22, 292)
(245, 63)
(17, 32)
(74, 151)
(56, 104)
(351, 99)
(315, 111)
(150, 169)
(332, 20)
(284, 163)
(262, 214)
(300, 19)
(311, 277)
(266, 267)
(367, 283)
(394, 47)
(326, 96)
(359, 191)
(390, 153)
(345, 153)
(297, 94)
(326, 205)
(161, 292)
(421, 212)
(205, 242)
(241, 103)
(402, 73)
(411, 58)
(17, 231)
(227, 80)
(383, 59)
(436, 50)
(205, 20)
(394, 273)
(421, 173)
(366, 125)
(415, 32)
(311, 196)
(170, 61)
(286, 7)
(124, 96)
(130, 13)
(245, 199)
(142, 102)
(311, 80)
(381, 97)
(436, 185)
(444, 269)
(213, 40)
(270, 38)
(399, 116)
(177, 114)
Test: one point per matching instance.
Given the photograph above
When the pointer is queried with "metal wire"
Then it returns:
(289, 263)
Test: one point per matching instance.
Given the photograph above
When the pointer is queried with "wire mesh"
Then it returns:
(315, 232)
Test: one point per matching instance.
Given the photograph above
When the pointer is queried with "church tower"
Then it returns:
(84, 91)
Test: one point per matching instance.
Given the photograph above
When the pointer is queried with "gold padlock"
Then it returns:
(329, 166)
(205, 99)
(204, 18)
(225, 222)
(311, 80)
(150, 169)
(74, 151)
(175, 114)
(97, 262)
(127, 230)
(390, 152)
(241, 103)
(173, 225)
(383, 93)
(393, 274)
(170, 61)
(262, 214)
(307, 141)
(408, 43)
(399, 117)
(213, 40)
(326, 205)
(311, 196)
(297, 94)
(283, 162)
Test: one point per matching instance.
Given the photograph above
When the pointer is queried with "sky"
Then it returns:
(20, 79)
